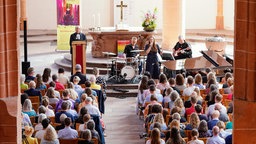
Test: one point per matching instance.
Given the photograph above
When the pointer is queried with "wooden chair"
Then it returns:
(35, 106)
(166, 105)
(185, 98)
(60, 91)
(204, 139)
(38, 140)
(77, 126)
(95, 140)
(52, 119)
(56, 124)
(167, 119)
(34, 99)
(188, 118)
(43, 92)
(230, 116)
(32, 119)
(188, 134)
(68, 141)
(53, 106)
(202, 91)
(221, 91)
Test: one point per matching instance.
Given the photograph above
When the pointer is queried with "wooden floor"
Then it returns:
(122, 124)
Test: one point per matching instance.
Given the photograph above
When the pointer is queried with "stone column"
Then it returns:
(173, 22)
(245, 72)
(10, 123)
(220, 17)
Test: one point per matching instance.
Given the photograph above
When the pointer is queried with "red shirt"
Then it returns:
(190, 110)
(59, 86)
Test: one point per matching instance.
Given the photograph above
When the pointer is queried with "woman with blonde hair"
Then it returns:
(198, 81)
(50, 136)
(28, 133)
(160, 119)
(27, 108)
(51, 95)
(194, 122)
(179, 103)
(155, 137)
(83, 102)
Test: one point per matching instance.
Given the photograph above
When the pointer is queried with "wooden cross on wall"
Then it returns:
(121, 6)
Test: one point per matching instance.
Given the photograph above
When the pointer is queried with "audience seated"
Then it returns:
(65, 96)
(175, 137)
(167, 96)
(48, 112)
(53, 85)
(163, 83)
(47, 76)
(172, 84)
(23, 86)
(73, 93)
(228, 139)
(51, 96)
(78, 73)
(193, 122)
(39, 82)
(30, 76)
(198, 109)
(88, 86)
(143, 86)
(198, 81)
(222, 127)
(77, 87)
(50, 136)
(174, 95)
(218, 100)
(179, 103)
(23, 97)
(83, 126)
(194, 136)
(62, 119)
(67, 132)
(190, 88)
(153, 101)
(91, 108)
(203, 130)
(93, 83)
(28, 139)
(39, 126)
(215, 138)
(227, 75)
(59, 86)
(152, 89)
(64, 110)
(215, 119)
(155, 137)
(159, 119)
(83, 102)
(87, 136)
(32, 91)
(223, 116)
(193, 102)
(27, 108)
(91, 126)
(62, 78)
(25, 120)
(45, 124)
(180, 82)
(230, 82)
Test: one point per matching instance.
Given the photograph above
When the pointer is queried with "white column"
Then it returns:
(173, 22)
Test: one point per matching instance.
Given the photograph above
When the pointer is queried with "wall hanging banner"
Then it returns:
(68, 17)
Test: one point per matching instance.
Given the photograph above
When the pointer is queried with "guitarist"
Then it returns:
(182, 49)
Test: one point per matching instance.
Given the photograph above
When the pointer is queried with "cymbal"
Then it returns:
(108, 53)
(137, 50)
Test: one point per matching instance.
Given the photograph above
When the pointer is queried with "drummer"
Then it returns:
(132, 56)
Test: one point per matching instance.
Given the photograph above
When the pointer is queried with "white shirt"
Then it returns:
(188, 91)
(161, 141)
(38, 127)
(67, 133)
(40, 134)
(215, 140)
(49, 113)
(63, 79)
(212, 108)
(92, 109)
(197, 141)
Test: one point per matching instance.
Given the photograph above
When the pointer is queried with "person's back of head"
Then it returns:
(22, 78)
(52, 84)
(62, 118)
(54, 77)
(65, 93)
(95, 71)
(83, 97)
(42, 109)
(203, 126)
(190, 80)
(194, 133)
(153, 98)
(78, 68)
(83, 111)
(30, 71)
(228, 75)
(193, 100)
(147, 74)
(41, 117)
(157, 108)
(218, 98)
(151, 82)
(76, 79)
(67, 121)
(215, 130)
(92, 79)
(171, 81)
(215, 114)
(207, 70)
(32, 84)
(152, 88)
(23, 97)
(176, 116)
(198, 108)
(45, 123)
(221, 124)
(90, 125)
(89, 100)
(179, 79)
(198, 78)
(64, 105)
(61, 70)
(86, 134)
(174, 95)
(87, 84)
(86, 118)
(155, 136)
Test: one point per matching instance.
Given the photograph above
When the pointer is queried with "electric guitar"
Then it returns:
(179, 51)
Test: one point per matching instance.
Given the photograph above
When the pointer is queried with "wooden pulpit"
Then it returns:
(79, 55)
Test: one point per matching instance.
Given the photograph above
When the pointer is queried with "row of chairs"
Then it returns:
(73, 141)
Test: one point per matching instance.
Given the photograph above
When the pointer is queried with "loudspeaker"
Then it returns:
(25, 66)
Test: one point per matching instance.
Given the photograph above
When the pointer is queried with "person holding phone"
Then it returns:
(152, 62)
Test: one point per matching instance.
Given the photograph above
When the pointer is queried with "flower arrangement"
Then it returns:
(149, 22)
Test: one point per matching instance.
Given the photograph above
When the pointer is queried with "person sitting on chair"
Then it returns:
(182, 49)
(128, 54)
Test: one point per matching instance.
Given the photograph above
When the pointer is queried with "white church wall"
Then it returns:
(201, 14)
(229, 14)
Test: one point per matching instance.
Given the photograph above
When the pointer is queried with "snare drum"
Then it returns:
(128, 71)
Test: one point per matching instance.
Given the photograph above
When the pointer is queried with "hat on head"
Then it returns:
(78, 67)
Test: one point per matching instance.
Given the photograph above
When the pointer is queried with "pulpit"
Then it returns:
(79, 55)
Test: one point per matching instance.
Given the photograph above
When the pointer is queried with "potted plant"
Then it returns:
(149, 22)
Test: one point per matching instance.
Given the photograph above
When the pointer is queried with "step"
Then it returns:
(123, 86)
(202, 39)
(113, 93)
(210, 32)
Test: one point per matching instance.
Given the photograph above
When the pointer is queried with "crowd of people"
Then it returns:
(186, 110)
(67, 108)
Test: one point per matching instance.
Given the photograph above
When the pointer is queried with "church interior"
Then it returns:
(124, 98)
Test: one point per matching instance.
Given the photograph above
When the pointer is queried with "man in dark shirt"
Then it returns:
(182, 49)
(78, 73)
(77, 36)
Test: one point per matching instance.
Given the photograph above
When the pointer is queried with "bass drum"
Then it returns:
(128, 72)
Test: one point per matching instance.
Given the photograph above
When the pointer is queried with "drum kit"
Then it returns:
(124, 70)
